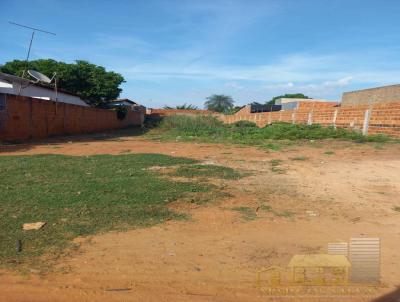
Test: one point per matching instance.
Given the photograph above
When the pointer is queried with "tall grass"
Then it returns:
(188, 123)
(210, 128)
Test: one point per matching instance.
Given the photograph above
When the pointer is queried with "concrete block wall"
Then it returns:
(385, 94)
(29, 118)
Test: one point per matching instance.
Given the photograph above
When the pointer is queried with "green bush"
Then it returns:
(121, 112)
(243, 124)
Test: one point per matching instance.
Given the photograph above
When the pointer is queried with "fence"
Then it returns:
(379, 118)
(23, 118)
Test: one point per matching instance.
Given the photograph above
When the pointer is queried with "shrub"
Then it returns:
(243, 124)
(121, 112)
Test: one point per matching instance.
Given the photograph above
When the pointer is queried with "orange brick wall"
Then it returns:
(308, 105)
(245, 110)
(384, 118)
(28, 118)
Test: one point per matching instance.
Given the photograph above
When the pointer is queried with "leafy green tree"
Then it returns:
(89, 81)
(219, 103)
(289, 96)
(184, 107)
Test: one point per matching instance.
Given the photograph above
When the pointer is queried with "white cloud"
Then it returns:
(233, 85)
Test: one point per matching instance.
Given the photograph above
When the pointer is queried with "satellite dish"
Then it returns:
(40, 77)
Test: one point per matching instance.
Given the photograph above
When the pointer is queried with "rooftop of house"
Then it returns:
(125, 100)
(9, 78)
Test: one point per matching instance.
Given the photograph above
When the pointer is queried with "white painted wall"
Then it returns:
(40, 93)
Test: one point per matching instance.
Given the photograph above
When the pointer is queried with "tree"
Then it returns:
(289, 96)
(183, 107)
(219, 103)
(89, 81)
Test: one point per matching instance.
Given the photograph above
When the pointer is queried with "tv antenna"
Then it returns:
(34, 30)
(41, 78)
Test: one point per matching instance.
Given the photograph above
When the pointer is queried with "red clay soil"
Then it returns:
(215, 256)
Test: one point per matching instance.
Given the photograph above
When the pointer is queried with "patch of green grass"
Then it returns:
(271, 146)
(247, 213)
(397, 209)
(79, 196)
(266, 208)
(300, 157)
(329, 152)
(275, 162)
(213, 171)
(275, 166)
(285, 214)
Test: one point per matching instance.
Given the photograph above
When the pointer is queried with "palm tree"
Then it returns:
(219, 103)
(187, 107)
(184, 107)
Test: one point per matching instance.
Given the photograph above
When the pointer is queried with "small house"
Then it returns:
(10, 84)
(132, 105)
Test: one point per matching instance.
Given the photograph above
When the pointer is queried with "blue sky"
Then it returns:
(177, 51)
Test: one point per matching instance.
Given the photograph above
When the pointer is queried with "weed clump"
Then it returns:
(244, 124)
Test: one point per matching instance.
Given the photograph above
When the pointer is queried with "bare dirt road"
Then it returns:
(313, 194)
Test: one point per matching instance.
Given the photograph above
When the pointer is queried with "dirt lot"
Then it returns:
(312, 194)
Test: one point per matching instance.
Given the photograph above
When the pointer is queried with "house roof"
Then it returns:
(12, 78)
(124, 100)
(15, 79)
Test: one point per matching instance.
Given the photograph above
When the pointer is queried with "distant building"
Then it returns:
(132, 105)
(384, 94)
(10, 84)
(293, 103)
(254, 108)
(257, 108)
